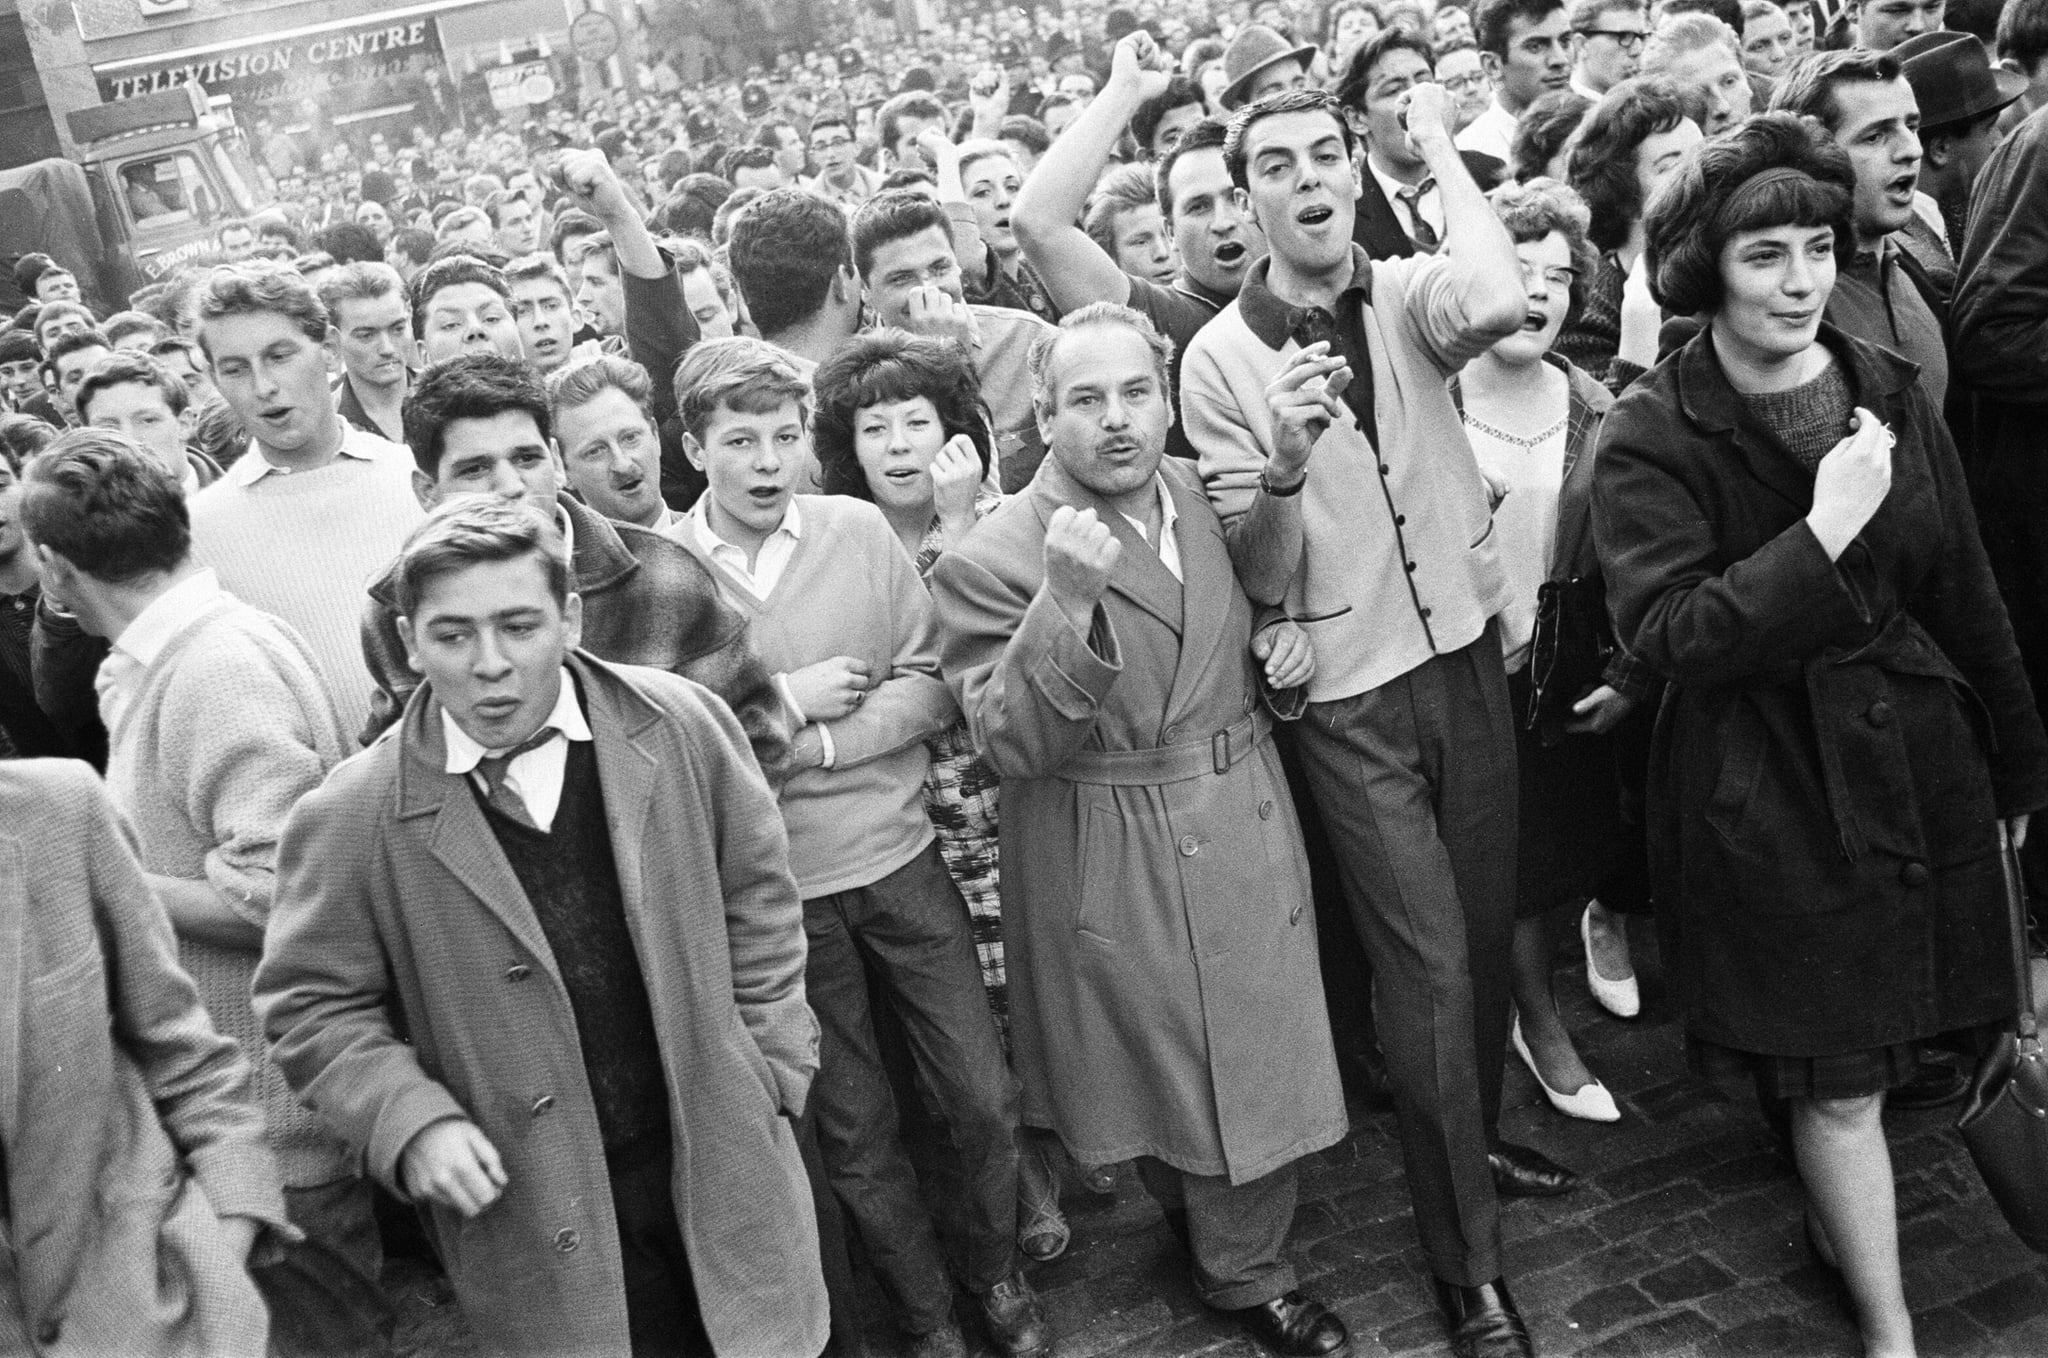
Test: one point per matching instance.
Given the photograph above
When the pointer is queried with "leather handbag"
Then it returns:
(1568, 652)
(2004, 1120)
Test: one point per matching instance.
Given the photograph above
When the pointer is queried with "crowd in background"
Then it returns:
(735, 689)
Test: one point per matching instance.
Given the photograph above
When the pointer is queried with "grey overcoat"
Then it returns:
(1165, 994)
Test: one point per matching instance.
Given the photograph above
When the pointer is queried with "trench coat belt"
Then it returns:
(1170, 763)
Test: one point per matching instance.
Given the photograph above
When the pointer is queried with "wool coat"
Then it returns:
(406, 979)
(127, 1123)
(1165, 994)
(646, 601)
(1838, 738)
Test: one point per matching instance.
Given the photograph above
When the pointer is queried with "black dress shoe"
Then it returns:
(1295, 1326)
(1484, 1322)
(1520, 1172)
(1933, 1085)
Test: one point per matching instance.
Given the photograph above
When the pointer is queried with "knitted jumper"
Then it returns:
(851, 589)
(227, 730)
(304, 546)
(1810, 418)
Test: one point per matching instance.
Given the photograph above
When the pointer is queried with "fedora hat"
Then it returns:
(1953, 78)
(1254, 49)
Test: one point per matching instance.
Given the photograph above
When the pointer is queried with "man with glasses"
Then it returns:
(1607, 44)
(840, 177)
(1459, 71)
(1525, 48)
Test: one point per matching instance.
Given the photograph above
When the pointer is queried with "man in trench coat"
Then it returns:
(422, 993)
(1165, 996)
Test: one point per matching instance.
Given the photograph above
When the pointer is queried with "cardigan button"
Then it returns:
(566, 1240)
(1880, 713)
(542, 1104)
(1189, 846)
(1411, 567)
(1400, 520)
(1915, 874)
(1384, 470)
(518, 971)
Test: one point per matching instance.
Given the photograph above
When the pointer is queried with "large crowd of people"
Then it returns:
(682, 706)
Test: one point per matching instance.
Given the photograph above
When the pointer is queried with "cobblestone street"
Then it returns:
(1685, 1239)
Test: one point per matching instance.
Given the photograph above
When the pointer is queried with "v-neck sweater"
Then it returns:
(850, 589)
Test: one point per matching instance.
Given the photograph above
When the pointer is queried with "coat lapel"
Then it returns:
(1211, 583)
(1139, 576)
(441, 817)
(1711, 403)
(626, 768)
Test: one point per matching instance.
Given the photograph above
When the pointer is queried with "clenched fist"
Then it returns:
(590, 181)
(1851, 483)
(1080, 552)
(453, 1163)
(830, 689)
(935, 313)
(956, 479)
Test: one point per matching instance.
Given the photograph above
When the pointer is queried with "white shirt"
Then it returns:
(761, 578)
(1429, 204)
(535, 776)
(1490, 134)
(1929, 212)
(144, 639)
(253, 466)
(1169, 540)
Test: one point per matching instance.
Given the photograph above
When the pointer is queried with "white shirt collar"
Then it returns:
(144, 638)
(253, 466)
(707, 537)
(464, 753)
(1168, 545)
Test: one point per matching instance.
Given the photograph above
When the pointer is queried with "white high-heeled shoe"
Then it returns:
(1592, 1103)
(1619, 998)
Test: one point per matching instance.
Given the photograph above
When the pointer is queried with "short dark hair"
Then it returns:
(469, 387)
(587, 379)
(447, 272)
(122, 324)
(352, 243)
(124, 367)
(472, 530)
(1492, 19)
(750, 157)
(1180, 92)
(890, 365)
(1027, 131)
(892, 216)
(106, 506)
(1807, 87)
(1543, 129)
(49, 311)
(415, 244)
(1728, 12)
(1774, 169)
(1351, 86)
(784, 253)
(66, 345)
(2023, 33)
(363, 281)
(909, 104)
(257, 287)
(1287, 101)
(21, 438)
(1602, 165)
(573, 222)
(739, 373)
(693, 205)
(1208, 133)
(829, 120)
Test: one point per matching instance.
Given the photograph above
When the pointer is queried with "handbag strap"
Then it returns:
(2016, 920)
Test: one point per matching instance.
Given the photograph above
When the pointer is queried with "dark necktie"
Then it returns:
(495, 768)
(1424, 234)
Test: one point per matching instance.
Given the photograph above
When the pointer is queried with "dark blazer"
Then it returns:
(1377, 225)
(646, 601)
(1838, 738)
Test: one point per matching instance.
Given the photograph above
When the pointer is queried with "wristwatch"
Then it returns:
(1281, 492)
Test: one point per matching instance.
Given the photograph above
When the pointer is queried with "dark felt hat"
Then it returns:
(1254, 49)
(1953, 78)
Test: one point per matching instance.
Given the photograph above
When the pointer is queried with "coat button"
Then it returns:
(49, 1332)
(1425, 612)
(542, 1104)
(1914, 874)
(1400, 520)
(1189, 846)
(1294, 915)
(1266, 809)
(1384, 470)
(566, 1240)
(1172, 733)
(1411, 567)
(1880, 713)
(518, 971)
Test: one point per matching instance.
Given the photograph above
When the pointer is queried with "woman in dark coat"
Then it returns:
(1785, 534)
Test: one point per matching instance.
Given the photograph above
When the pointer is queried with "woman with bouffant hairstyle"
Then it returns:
(1848, 735)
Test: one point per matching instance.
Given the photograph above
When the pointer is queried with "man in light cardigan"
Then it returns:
(217, 724)
(843, 622)
(1382, 546)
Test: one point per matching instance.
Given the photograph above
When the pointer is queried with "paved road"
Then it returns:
(1685, 1239)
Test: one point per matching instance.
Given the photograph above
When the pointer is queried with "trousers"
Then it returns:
(911, 929)
(1416, 783)
(1237, 1234)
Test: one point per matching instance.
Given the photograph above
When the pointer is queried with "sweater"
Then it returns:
(304, 546)
(851, 589)
(226, 731)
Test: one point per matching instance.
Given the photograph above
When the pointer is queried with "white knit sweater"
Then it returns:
(227, 729)
(304, 546)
